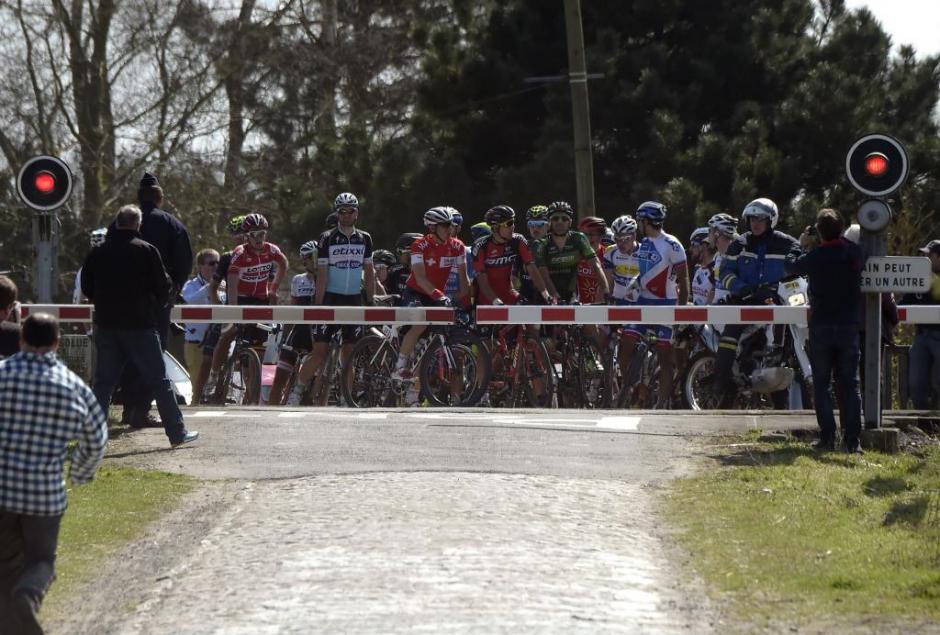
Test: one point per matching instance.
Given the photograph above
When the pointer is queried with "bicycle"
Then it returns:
(582, 370)
(522, 369)
(239, 381)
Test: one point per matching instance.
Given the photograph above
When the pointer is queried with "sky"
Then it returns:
(915, 22)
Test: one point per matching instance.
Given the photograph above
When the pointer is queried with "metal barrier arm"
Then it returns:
(598, 314)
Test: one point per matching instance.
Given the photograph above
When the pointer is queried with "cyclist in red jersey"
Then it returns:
(497, 256)
(432, 258)
(249, 279)
(589, 284)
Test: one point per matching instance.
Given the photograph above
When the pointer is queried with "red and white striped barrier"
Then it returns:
(282, 314)
(486, 314)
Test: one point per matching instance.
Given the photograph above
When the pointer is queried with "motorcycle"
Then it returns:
(768, 359)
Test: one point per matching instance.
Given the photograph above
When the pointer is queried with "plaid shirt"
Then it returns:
(43, 407)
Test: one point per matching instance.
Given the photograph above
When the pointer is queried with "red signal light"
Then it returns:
(44, 182)
(876, 164)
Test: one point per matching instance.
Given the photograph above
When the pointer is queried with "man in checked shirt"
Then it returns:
(43, 407)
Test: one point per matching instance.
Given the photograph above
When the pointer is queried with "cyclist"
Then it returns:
(723, 232)
(344, 270)
(694, 254)
(622, 268)
(497, 256)
(703, 278)
(536, 220)
(297, 340)
(480, 230)
(750, 270)
(95, 237)
(663, 280)
(398, 274)
(452, 289)
(255, 272)
(559, 254)
(382, 260)
(432, 258)
(589, 277)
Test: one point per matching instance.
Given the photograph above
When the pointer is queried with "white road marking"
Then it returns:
(619, 423)
(209, 413)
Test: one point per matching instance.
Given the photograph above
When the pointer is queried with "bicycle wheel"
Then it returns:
(243, 387)
(591, 381)
(452, 374)
(320, 394)
(366, 378)
(535, 373)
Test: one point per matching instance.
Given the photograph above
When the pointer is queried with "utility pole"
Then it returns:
(580, 109)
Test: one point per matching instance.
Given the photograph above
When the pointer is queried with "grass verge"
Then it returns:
(785, 534)
(104, 516)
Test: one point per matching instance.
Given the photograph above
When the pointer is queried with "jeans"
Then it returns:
(27, 562)
(139, 348)
(924, 358)
(834, 354)
(134, 389)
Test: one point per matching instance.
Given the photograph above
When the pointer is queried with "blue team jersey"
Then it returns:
(345, 256)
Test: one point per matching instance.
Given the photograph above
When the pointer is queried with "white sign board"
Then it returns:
(76, 352)
(883, 274)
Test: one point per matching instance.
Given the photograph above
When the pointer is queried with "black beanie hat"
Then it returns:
(148, 180)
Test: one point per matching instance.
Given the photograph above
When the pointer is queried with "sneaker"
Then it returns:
(148, 421)
(853, 446)
(402, 374)
(188, 437)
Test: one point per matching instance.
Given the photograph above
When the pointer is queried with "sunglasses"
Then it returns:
(258, 233)
(538, 223)
(508, 223)
(560, 219)
(624, 236)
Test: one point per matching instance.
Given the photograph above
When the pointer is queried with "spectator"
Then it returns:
(834, 268)
(45, 406)
(128, 285)
(9, 331)
(165, 232)
(925, 351)
(196, 291)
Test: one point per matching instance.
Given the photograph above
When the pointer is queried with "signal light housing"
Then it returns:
(44, 183)
(876, 165)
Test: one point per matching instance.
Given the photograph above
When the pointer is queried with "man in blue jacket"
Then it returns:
(750, 270)
(834, 269)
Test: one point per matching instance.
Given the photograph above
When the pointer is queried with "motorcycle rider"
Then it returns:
(750, 270)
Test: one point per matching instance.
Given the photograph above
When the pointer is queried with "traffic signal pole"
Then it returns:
(45, 244)
(580, 108)
(872, 244)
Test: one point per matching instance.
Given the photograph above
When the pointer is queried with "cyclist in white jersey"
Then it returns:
(620, 264)
(701, 256)
(297, 339)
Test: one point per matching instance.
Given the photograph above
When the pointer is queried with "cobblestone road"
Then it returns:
(435, 552)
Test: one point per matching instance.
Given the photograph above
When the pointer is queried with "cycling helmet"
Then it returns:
(254, 222)
(592, 223)
(608, 237)
(537, 212)
(438, 215)
(384, 257)
(332, 219)
(724, 224)
(235, 225)
(480, 230)
(624, 225)
(308, 249)
(560, 207)
(456, 217)
(97, 236)
(405, 241)
(499, 214)
(762, 208)
(698, 236)
(346, 199)
(652, 211)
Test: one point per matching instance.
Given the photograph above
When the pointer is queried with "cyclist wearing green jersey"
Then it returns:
(558, 255)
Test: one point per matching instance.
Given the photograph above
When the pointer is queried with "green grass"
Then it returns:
(783, 533)
(105, 515)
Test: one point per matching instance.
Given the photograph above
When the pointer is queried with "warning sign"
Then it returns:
(76, 352)
(896, 274)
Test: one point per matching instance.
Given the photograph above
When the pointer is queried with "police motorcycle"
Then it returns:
(769, 358)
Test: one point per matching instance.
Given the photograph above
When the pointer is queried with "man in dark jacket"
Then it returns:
(165, 232)
(834, 269)
(925, 351)
(128, 284)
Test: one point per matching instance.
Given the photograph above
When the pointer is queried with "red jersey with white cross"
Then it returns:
(588, 282)
(498, 261)
(438, 259)
(254, 269)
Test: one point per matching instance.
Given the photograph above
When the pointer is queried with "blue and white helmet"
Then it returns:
(97, 236)
(652, 211)
(346, 199)
(724, 224)
(438, 215)
(762, 208)
(308, 249)
(698, 236)
(456, 217)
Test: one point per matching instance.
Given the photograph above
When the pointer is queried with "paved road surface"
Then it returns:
(419, 521)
